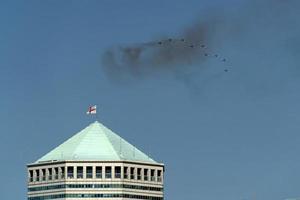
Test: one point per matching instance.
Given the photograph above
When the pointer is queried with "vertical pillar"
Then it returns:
(113, 172)
(84, 172)
(94, 171)
(122, 172)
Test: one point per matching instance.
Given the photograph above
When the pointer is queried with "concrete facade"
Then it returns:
(95, 179)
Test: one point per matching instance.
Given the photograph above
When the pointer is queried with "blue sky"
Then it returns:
(231, 135)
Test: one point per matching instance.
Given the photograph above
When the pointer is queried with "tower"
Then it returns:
(95, 164)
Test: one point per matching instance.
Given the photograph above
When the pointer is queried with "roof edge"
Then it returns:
(94, 161)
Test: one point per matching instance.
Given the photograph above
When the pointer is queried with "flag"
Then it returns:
(92, 110)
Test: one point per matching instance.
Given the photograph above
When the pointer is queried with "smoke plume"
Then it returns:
(197, 43)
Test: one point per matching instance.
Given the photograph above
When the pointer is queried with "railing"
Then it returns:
(107, 175)
(89, 175)
(159, 179)
(117, 175)
(152, 178)
(79, 175)
(98, 175)
(70, 175)
(131, 176)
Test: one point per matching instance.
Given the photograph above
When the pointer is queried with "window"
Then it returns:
(49, 174)
(107, 172)
(139, 176)
(159, 176)
(131, 172)
(79, 172)
(62, 175)
(152, 175)
(70, 171)
(146, 175)
(98, 172)
(125, 172)
(37, 172)
(117, 172)
(56, 173)
(30, 175)
(43, 174)
(89, 172)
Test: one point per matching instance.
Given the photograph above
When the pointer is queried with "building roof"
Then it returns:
(96, 143)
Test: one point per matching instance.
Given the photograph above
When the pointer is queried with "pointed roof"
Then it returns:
(96, 143)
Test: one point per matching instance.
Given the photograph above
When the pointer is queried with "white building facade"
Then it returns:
(95, 164)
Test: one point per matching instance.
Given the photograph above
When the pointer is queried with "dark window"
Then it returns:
(50, 174)
(152, 175)
(159, 178)
(107, 172)
(79, 172)
(43, 174)
(125, 172)
(70, 171)
(139, 176)
(131, 172)
(62, 175)
(30, 175)
(89, 172)
(56, 173)
(98, 172)
(117, 172)
(146, 178)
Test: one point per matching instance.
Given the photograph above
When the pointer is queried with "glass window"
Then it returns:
(125, 172)
(98, 172)
(50, 174)
(131, 172)
(152, 175)
(79, 172)
(56, 173)
(146, 178)
(159, 176)
(117, 172)
(30, 175)
(62, 175)
(139, 176)
(70, 171)
(107, 172)
(89, 172)
(43, 174)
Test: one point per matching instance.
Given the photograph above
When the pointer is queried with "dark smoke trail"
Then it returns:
(165, 54)
(178, 56)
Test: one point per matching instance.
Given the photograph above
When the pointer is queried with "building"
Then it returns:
(95, 164)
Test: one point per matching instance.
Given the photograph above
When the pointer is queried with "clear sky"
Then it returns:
(233, 135)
